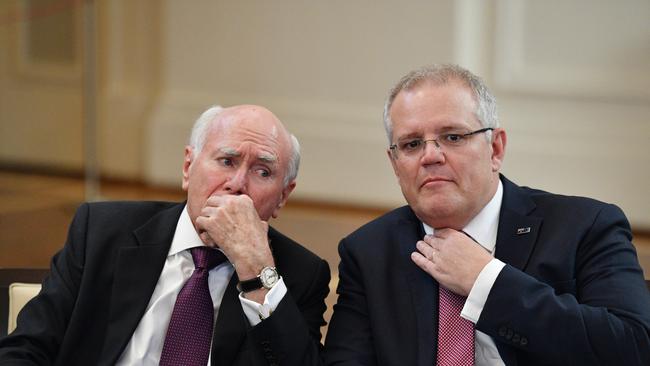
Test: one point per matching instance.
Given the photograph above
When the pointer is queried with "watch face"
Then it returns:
(269, 277)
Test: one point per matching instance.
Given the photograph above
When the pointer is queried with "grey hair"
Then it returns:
(204, 123)
(486, 110)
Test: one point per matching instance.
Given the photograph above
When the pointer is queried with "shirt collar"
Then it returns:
(483, 227)
(185, 236)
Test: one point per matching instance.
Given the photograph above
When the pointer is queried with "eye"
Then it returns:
(226, 161)
(411, 145)
(263, 172)
(452, 138)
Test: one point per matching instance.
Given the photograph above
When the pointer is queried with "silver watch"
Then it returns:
(267, 278)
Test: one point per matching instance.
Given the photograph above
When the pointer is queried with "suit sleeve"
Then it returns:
(349, 339)
(599, 317)
(291, 335)
(43, 321)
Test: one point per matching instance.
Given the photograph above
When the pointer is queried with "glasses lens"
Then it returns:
(452, 139)
(411, 146)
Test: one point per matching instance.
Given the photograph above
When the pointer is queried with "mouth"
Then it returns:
(434, 181)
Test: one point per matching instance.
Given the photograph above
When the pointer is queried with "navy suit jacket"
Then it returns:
(572, 291)
(101, 281)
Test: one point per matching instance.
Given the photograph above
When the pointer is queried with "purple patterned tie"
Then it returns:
(189, 334)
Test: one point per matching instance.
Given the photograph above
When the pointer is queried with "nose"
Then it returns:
(237, 182)
(432, 153)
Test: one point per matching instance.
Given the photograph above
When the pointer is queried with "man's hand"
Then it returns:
(451, 258)
(231, 223)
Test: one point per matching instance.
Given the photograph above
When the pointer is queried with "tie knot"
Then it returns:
(207, 258)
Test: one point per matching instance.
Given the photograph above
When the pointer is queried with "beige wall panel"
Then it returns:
(579, 48)
(40, 88)
(129, 59)
(41, 126)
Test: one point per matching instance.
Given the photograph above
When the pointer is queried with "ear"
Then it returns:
(283, 200)
(499, 140)
(187, 163)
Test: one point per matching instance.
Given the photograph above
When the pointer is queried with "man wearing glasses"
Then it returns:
(477, 270)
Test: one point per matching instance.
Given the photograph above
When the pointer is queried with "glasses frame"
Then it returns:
(393, 147)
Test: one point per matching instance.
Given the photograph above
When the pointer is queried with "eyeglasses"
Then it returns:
(414, 147)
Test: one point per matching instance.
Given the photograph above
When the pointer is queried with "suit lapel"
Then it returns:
(516, 238)
(231, 327)
(137, 271)
(517, 231)
(423, 289)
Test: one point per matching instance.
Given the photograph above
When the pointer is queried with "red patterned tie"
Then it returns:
(189, 334)
(455, 334)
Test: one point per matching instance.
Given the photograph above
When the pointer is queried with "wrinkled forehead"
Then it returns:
(252, 122)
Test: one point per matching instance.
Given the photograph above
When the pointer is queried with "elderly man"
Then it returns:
(477, 270)
(195, 283)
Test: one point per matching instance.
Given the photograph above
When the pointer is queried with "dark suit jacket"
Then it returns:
(103, 278)
(572, 292)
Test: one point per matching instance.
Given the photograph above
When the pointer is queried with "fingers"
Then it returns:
(452, 258)
(424, 263)
(223, 200)
(207, 239)
(426, 256)
(230, 205)
(233, 224)
(426, 249)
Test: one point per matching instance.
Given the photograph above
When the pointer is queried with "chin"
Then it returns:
(436, 209)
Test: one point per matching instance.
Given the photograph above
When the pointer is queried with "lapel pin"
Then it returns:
(523, 230)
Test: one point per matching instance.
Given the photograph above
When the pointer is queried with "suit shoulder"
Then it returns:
(285, 246)
(548, 199)
(122, 213)
(383, 225)
(294, 261)
(567, 208)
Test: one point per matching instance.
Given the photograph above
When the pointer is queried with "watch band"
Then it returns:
(267, 278)
(250, 285)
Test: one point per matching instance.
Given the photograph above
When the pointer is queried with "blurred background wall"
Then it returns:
(572, 78)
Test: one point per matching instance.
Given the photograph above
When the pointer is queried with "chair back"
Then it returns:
(19, 295)
(14, 294)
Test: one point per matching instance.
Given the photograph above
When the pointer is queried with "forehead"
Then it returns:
(243, 130)
(438, 107)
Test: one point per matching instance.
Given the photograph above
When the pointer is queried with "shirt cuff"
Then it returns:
(481, 289)
(257, 312)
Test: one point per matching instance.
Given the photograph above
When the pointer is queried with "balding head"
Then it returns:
(247, 115)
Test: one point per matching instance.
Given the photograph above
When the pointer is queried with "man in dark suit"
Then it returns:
(112, 288)
(477, 270)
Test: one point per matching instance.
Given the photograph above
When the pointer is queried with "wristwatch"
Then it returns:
(267, 278)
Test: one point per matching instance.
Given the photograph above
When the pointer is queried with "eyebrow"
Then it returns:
(443, 130)
(267, 158)
(230, 152)
(410, 136)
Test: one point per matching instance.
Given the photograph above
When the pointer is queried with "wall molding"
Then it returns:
(517, 71)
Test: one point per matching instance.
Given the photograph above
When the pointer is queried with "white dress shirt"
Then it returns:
(483, 228)
(147, 341)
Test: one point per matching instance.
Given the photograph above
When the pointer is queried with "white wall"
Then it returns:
(572, 79)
